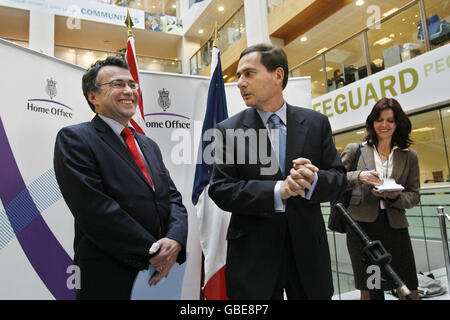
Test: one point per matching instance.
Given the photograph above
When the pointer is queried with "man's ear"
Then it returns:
(92, 97)
(280, 74)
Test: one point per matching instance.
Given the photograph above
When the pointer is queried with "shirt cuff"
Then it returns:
(308, 195)
(279, 204)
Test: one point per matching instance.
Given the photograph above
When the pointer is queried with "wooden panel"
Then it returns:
(306, 18)
(285, 12)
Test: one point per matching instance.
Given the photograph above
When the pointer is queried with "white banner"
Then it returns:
(82, 9)
(42, 95)
(417, 83)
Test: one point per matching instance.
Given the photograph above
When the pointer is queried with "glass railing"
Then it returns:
(388, 42)
(229, 34)
(86, 57)
(424, 230)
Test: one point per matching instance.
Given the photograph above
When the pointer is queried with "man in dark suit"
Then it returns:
(118, 190)
(277, 239)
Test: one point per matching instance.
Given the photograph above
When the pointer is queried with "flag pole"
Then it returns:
(129, 24)
(216, 37)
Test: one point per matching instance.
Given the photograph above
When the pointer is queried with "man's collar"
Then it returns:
(117, 127)
(282, 112)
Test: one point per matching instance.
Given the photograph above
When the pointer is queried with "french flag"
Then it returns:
(213, 222)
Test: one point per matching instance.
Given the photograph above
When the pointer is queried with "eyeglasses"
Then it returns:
(121, 84)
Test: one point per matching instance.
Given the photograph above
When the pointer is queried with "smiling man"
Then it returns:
(118, 189)
(277, 240)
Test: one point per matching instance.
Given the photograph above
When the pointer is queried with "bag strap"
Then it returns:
(356, 158)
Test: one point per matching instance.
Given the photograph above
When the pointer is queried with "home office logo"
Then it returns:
(51, 88)
(50, 107)
(169, 122)
(164, 100)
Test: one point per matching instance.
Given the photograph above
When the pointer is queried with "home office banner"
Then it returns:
(40, 96)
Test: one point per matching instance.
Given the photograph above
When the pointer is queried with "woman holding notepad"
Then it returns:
(385, 183)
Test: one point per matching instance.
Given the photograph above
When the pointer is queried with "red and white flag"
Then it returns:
(138, 120)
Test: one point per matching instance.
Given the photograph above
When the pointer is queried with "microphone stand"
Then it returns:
(376, 253)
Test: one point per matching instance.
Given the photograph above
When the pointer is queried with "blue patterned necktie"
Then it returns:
(276, 123)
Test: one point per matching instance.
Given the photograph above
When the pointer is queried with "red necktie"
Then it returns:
(131, 146)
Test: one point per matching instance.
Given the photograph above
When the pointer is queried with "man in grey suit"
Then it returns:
(277, 239)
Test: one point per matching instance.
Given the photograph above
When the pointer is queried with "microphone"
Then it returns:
(376, 253)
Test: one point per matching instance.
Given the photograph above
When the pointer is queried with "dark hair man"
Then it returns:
(276, 238)
(118, 189)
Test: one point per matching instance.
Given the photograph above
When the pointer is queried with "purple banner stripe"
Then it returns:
(52, 101)
(45, 253)
(166, 114)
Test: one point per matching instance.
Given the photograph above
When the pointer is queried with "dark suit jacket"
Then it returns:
(256, 234)
(363, 204)
(117, 214)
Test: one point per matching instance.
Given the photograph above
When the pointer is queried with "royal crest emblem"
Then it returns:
(164, 100)
(51, 88)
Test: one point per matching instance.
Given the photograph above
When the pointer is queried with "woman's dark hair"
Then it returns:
(272, 57)
(402, 122)
(89, 82)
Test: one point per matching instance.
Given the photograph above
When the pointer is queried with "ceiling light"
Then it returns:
(424, 129)
(303, 39)
(382, 41)
(328, 69)
(378, 62)
(388, 13)
(200, 31)
(322, 50)
(221, 8)
(174, 6)
(360, 132)
(225, 76)
(359, 3)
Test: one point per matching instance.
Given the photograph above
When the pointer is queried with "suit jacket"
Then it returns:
(256, 234)
(117, 214)
(363, 204)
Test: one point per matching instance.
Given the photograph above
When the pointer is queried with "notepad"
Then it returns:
(388, 186)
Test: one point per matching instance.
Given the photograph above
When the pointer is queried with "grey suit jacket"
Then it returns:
(364, 205)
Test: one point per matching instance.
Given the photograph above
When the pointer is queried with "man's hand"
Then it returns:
(164, 260)
(301, 177)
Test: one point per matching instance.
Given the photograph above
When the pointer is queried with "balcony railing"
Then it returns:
(229, 33)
